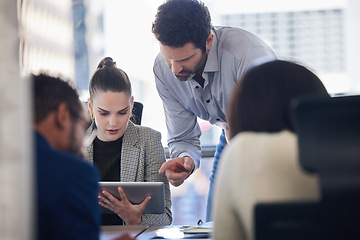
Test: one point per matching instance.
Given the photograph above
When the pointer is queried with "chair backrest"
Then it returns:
(137, 113)
(328, 132)
(306, 221)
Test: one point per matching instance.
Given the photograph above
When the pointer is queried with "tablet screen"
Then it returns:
(136, 192)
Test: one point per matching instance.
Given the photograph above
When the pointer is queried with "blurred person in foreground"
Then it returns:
(195, 72)
(261, 159)
(67, 186)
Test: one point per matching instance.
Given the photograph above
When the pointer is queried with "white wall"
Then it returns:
(15, 157)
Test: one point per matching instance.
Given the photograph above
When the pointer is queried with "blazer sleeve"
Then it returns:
(154, 158)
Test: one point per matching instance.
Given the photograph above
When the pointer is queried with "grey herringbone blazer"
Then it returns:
(142, 155)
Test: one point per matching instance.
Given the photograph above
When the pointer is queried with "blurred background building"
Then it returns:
(47, 37)
(315, 38)
(61, 37)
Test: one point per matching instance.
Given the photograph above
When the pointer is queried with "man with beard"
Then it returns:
(195, 72)
(67, 186)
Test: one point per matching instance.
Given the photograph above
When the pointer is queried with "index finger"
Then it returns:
(165, 166)
(177, 176)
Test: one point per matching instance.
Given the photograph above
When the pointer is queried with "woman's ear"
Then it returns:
(131, 106)
(90, 108)
(132, 102)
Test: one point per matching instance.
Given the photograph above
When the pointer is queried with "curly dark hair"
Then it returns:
(179, 22)
(49, 92)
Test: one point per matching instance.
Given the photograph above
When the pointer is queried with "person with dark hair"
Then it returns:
(121, 150)
(66, 185)
(195, 72)
(67, 205)
(263, 150)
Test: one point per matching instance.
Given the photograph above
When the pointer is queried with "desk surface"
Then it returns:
(154, 232)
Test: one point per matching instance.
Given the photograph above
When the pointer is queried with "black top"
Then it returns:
(107, 157)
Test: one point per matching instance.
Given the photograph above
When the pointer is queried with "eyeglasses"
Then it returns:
(75, 115)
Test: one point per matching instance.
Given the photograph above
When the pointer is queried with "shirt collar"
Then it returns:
(40, 140)
(212, 64)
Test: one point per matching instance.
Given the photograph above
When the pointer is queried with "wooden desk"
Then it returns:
(170, 232)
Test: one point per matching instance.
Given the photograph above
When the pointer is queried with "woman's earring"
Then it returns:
(92, 116)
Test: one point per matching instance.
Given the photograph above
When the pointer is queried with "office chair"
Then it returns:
(328, 132)
(137, 113)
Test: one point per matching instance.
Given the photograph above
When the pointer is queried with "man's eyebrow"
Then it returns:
(182, 60)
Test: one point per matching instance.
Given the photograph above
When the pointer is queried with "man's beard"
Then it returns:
(74, 146)
(185, 78)
(198, 68)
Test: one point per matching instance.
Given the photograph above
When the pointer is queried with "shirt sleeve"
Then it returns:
(254, 55)
(182, 126)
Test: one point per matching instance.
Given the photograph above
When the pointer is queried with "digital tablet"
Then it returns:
(136, 192)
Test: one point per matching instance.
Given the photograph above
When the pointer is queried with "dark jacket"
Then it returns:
(67, 203)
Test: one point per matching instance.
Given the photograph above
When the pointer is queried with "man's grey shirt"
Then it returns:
(233, 51)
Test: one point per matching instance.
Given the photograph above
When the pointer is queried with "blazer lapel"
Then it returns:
(88, 143)
(130, 154)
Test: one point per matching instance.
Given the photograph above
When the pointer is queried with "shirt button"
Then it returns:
(207, 101)
(197, 87)
(218, 119)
